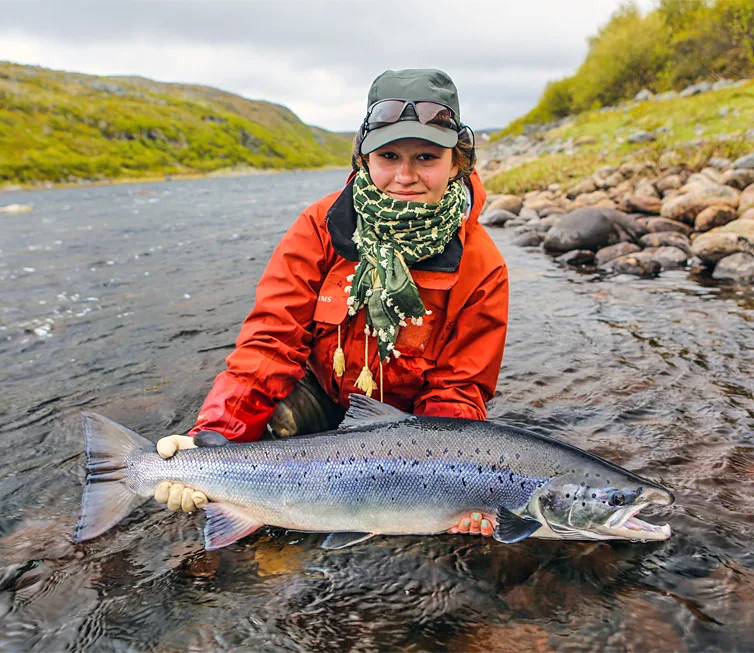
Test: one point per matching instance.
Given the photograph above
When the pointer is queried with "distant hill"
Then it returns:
(60, 126)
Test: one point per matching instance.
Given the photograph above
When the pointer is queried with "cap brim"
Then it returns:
(408, 129)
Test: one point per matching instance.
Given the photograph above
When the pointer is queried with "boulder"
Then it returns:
(611, 181)
(719, 163)
(551, 220)
(584, 140)
(515, 223)
(746, 161)
(643, 95)
(577, 257)
(631, 168)
(526, 213)
(746, 201)
(584, 186)
(586, 228)
(637, 264)
(737, 268)
(540, 204)
(645, 187)
(653, 225)
(666, 239)
(511, 203)
(669, 182)
(740, 178)
(642, 137)
(686, 206)
(713, 174)
(528, 239)
(698, 179)
(748, 214)
(589, 199)
(713, 246)
(670, 258)
(714, 216)
(551, 210)
(607, 254)
(641, 204)
(496, 217)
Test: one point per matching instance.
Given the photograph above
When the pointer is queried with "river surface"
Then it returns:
(125, 299)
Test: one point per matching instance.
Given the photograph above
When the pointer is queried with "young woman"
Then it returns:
(389, 287)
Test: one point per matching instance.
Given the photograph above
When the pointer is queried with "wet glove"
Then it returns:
(176, 495)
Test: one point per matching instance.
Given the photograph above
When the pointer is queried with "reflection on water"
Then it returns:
(125, 299)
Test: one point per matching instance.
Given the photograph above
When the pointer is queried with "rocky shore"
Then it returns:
(637, 219)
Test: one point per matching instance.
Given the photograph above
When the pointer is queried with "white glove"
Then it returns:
(176, 495)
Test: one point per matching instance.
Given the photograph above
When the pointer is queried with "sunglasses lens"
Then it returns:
(386, 111)
(432, 112)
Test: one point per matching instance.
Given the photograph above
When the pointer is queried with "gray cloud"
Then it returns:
(317, 57)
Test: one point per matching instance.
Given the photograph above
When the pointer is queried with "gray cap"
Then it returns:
(412, 84)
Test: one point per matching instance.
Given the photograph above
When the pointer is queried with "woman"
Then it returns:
(387, 287)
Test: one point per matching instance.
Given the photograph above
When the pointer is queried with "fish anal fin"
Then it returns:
(512, 528)
(336, 541)
(364, 410)
(227, 523)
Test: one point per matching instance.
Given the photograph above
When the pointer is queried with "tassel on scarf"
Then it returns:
(339, 358)
(365, 382)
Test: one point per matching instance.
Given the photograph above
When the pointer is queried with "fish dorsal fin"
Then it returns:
(210, 439)
(226, 523)
(512, 528)
(365, 410)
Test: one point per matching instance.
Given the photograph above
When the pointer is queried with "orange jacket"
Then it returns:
(448, 367)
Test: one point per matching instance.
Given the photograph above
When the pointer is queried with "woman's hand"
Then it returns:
(176, 495)
(474, 525)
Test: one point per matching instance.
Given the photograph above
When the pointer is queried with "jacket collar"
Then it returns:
(341, 224)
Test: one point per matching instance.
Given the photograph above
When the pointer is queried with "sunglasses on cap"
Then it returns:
(385, 112)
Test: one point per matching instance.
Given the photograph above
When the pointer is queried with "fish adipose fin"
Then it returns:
(210, 439)
(512, 528)
(226, 523)
(365, 410)
(107, 499)
(336, 541)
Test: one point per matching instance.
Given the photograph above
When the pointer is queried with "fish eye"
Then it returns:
(617, 498)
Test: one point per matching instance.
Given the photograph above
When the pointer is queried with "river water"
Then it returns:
(125, 299)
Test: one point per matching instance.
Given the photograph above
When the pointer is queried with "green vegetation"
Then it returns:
(58, 126)
(694, 130)
(679, 43)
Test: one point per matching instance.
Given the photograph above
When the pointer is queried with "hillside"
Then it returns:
(60, 126)
(661, 130)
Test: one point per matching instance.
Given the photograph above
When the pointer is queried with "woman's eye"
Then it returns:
(427, 157)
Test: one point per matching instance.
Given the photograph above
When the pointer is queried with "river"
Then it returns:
(125, 299)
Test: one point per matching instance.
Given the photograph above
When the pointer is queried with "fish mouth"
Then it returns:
(624, 524)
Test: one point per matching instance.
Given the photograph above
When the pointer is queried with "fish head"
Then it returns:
(601, 505)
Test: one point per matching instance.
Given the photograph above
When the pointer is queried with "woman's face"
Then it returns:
(412, 170)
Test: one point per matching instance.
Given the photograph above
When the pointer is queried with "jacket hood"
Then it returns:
(341, 224)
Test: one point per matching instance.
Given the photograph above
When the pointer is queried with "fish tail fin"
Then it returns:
(107, 498)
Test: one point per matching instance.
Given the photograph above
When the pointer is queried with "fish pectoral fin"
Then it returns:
(335, 541)
(226, 523)
(210, 439)
(512, 528)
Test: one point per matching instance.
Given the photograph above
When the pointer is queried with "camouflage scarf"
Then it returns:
(392, 235)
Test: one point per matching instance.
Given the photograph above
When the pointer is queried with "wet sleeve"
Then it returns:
(274, 342)
(467, 369)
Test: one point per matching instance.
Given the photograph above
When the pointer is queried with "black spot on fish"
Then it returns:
(413, 441)
(445, 450)
(398, 444)
(582, 484)
(594, 496)
(489, 452)
(511, 477)
(597, 475)
(502, 460)
(518, 455)
(494, 468)
(490, 490)
(245, 457)
(586, 475)
(425, 485)
(568, 496)
(479, 469)
(374, 478)
(500, 478)
(463, 480)
(337, 454)
(583, 504)
(389, 452)
(363, 445)
(476, 450)
(523, 485)
(429, 452)
(460, 453)
(371, 453)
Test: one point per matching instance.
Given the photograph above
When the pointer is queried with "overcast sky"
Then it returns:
(317, 57)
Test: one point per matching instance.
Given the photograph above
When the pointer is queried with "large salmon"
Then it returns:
(382, 472)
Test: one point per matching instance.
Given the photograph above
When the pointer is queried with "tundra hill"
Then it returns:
(61, 126)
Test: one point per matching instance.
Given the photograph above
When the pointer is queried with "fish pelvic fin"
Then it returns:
(364, 410)
(107, 499)
(227, 523)
(336, 541)
(512, 528)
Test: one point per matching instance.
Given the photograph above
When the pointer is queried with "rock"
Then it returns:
(551, 220)
(551, 210)
(16, 208)
(528, 239)
(613, 180)
(635, 264)
(688, 205)
(646, 188)
(738, 268)
(585, 228)
(666, 239)
(746, 201)
(496, 217)
(577, 257)
(748, 214)
(588, 199)
(746, 161)
(695, 89)
(713, 246)
(654, 225)
(662, 97)
(641, 204)
(698, 179)
(740, 178)
(515, 223)
(714, 175)
(668, 182)
(511, 203)
(643, 95)
(526, 213)
(714, 216)
(628, 226)
(585, 186)
(631, 168)
(584, 140)
(642, 137)
(719, 163)
(607, 254)
(670, 258)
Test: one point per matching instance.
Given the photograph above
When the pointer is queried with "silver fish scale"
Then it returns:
(412, 476)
